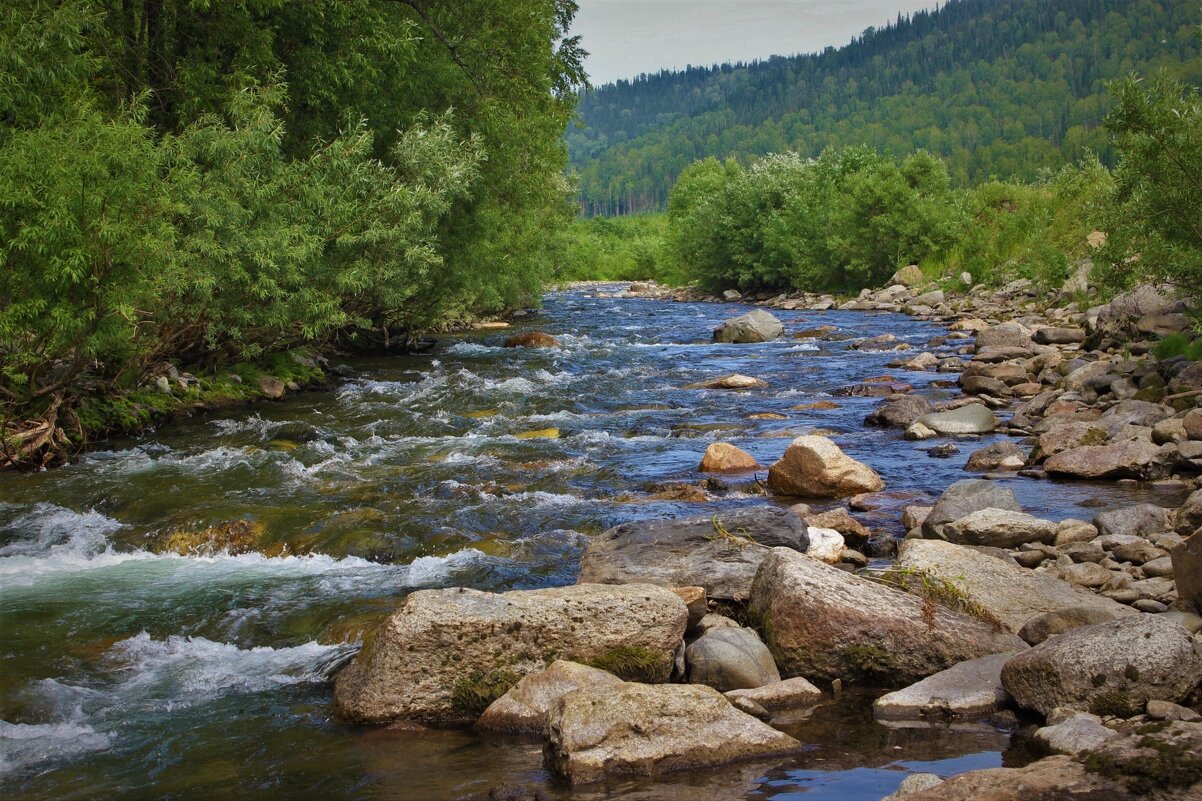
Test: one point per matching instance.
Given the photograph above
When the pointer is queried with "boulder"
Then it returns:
(826, 545)
(445, 655)
(733, 381)
(998, 587)
(1187, 570)
(1059, 336)
(639, 729)
(1007, 335)
(899, 411)
(854, 532)
(821, 622)
(962, 499)
(756, 326)
(788, 694)
(999, 528)
(913, 784)
(721, 457)
(1004, 455)
(1050, 624)
(718, 552)
(815, 467)
(532, 339)
(523, 710)
(908, 276)
(969, 688)
(730, 659)
(1111, 668)
(1078, 733)
(971, 419)
(1141, 520)
(732, 296)
(1134, 459)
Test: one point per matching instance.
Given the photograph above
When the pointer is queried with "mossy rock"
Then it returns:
(233, 537)
(632, 663)
(473, 695)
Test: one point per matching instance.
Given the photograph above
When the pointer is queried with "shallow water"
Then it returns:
(126, 672)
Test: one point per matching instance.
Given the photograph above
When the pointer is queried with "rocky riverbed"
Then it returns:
(729, 539)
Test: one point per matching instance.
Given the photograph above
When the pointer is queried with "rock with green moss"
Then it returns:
(523, 708)
(446, 655)
(823, 623)
(1111, 668)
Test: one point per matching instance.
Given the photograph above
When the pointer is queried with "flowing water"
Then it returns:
(126, 672)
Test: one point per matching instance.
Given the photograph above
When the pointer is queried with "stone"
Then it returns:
(720, 553)
(1163, 710)
(970, 688)
(695, 601)
(822, 622)
(732, 296)
(788, 694)
(1187, 571)
(271, 387)
(826, 545)
(1004, 455)
(523, 709)
(1049, 624)
(753, 327)
(1085, 574)
(1163, 325)
(444, 655)
(816, 467)
(1059, 336)
(1141, 520)
(908, 276)
(962, 499)
(636, 729)
(1111, 668)
(730, 659)
(999, 528)
(1189, 516)
(722, 457)
(971, 419)
(1007, 335)
(713, 620)
(899, 411)
(531, 339)
(917, 432)
(1078, 733)
(853, 531)
(733, 381)
(913, 784)
(1072, 530)
(998, 587)
(1135, 459)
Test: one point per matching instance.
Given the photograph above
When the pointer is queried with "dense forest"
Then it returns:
(211, 183)
(996, 88)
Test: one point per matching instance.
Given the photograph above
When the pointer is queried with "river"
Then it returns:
(130, 673)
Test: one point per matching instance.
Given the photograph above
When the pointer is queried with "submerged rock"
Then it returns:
(822, 622)
(445, 655)
(756, 326)
(636, 729)
(815, 467)
(718, 552)
(734, 381)
(971, 419)
(532, 339)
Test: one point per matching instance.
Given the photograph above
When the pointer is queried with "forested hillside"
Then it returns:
(209, 183)
(998, 88)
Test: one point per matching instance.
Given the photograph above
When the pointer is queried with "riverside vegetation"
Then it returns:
(210, 186)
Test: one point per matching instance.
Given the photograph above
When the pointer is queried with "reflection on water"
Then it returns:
(127, 671)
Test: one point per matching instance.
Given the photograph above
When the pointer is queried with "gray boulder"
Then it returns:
(1078, 733)
(1134, 459)
(899, 411)
(445, 655)
(637, 729)
(971, 419)
(1187, 570)
(1140, 520)
(822, 622)
(999, 528)
(1049, 624)
(788, 694)
(965, 497)
(1111, 668)
(523, 710)
(969, 688)
(718, 552)
(730, 659)
(1004, 455)
(755, 326)
(998, 587)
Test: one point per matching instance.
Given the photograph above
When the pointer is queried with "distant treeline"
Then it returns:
(996, 88)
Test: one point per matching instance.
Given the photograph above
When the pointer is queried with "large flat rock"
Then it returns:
(447, 654)
(964, 690)
(718, 552)
(639, 729)
(823, 623)
(1010, 594)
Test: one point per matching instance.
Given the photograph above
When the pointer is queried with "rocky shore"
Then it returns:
(684, 638)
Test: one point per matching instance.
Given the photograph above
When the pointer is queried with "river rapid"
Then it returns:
(130, 673)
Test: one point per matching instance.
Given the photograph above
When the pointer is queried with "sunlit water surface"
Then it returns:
(129, 673)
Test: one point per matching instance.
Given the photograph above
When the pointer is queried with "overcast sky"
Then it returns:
(627, 37)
